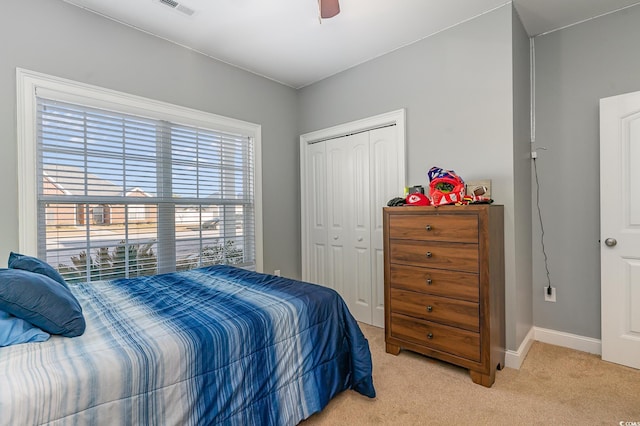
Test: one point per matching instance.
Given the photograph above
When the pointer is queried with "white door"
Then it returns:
(385, 160)
(358, 207)
(620, 228)
(345, 182)
(337, 214)
(315, 195)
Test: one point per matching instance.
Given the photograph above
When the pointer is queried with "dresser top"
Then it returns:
(449, 208)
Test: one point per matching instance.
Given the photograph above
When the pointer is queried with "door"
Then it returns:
(315, 195)
(337, 215)
(345, 183)
(620, 228)
(358, 208)
(362, 175)
(385, 181)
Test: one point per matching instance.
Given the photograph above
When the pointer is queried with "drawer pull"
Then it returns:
(430, 336)
(429, 308)
(428, 227)
(429, 281)
(429, 255)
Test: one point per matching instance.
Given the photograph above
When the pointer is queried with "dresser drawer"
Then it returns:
(462, 343)
(452, 256)
(461, 228)
(459, 285)
(457, 313)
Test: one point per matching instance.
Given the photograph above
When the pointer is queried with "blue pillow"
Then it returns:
(41, 301)
(14, 331)
(33, 264)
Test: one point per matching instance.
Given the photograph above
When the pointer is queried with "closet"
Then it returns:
(346, 181)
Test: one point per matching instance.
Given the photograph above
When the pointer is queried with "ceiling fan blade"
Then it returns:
(329, 8)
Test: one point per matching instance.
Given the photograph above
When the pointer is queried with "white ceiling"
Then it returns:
(283, 39)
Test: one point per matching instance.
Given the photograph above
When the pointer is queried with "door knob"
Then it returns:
(360, 238)
(335, 237)
(610, 242)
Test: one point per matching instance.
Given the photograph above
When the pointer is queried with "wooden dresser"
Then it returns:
(444, 285)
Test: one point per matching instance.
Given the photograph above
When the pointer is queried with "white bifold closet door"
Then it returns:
(348, 181)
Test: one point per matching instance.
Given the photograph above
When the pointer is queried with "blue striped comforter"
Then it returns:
(216, 345)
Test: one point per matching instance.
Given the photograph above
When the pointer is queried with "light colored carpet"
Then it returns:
(554, 386)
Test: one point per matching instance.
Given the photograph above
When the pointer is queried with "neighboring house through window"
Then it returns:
(126, 186)
(98, 215)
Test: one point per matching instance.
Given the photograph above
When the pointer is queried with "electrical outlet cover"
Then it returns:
(550, 297)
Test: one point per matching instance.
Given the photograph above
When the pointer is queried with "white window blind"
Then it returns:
(121, 195)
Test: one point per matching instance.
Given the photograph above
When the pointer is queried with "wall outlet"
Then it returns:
(277, 273)
(550, 297)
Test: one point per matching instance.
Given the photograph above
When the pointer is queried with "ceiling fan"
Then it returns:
(328, 8)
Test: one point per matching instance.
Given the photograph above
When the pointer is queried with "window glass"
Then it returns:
(121, 195)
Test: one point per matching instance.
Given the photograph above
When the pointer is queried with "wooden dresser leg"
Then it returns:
(483, 379)
(392, 349)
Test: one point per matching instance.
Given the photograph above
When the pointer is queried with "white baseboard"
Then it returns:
(568, 340)
(514, 359)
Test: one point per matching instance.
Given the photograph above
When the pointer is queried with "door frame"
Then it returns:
(397, 118)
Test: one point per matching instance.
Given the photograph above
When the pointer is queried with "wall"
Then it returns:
(56, 38)
(519, 296)
(575, 67)
(457, 87)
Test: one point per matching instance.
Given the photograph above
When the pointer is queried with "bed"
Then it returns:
(215, 345)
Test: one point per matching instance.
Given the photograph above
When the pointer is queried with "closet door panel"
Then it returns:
(337, 215)
(317, 214)
(358, 206)
(385, 184)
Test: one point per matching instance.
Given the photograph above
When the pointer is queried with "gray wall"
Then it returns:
(519, 296)
(575, 67)
(56, 38)
(457, 87)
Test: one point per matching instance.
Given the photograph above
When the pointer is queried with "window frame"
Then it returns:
(29, 83)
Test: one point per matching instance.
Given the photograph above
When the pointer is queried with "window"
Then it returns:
(98, 216)
(125, 188)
